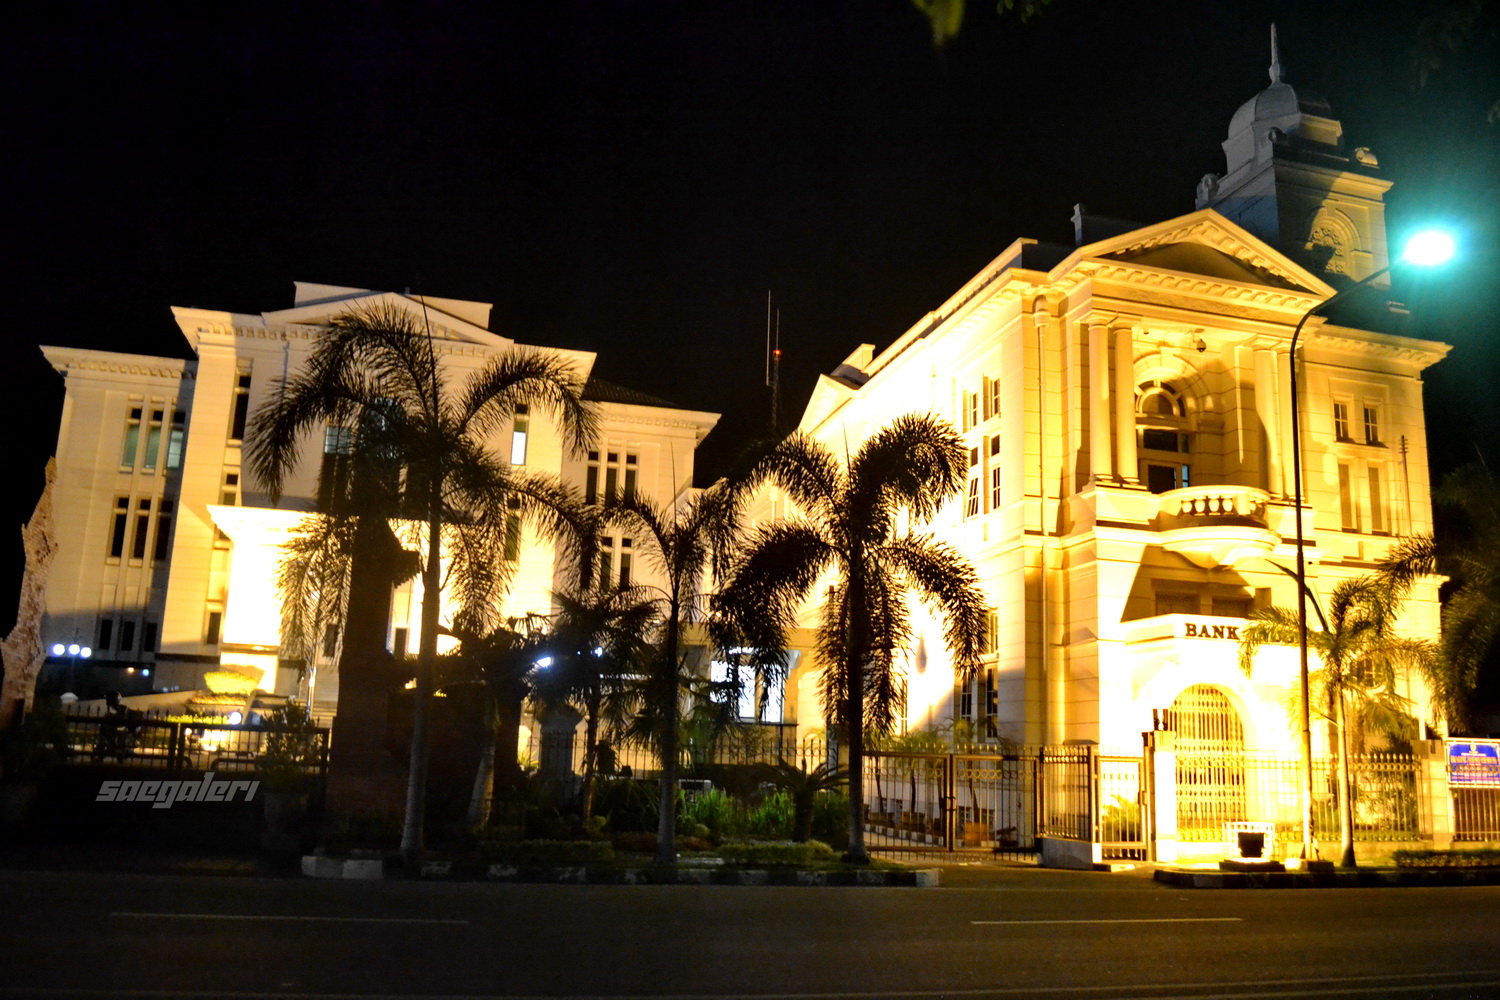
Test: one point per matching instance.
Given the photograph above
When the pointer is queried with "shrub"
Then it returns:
(711, 809)
(1483, 857)
(773, 817)
(830, 819)
(629, 804)
(776, 853)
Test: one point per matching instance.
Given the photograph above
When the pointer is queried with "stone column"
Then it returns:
(1125, 467)
(1100, 461)
(1161, 765)
(1267, 392)
(1434, 799)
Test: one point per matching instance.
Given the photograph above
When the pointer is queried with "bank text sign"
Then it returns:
(1209, 630)
(1474, 763)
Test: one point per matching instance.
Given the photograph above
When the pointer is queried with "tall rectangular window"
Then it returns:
(624, 563)
(333, 475)
(1346, 499)
(176, 438)
(132, 438)
(971, 410)
(127, 636)
(106, 634)
(241, 411)
(520, 426)
(1377, 502)
(611, 473)
(163, 529)
(971, 499)
(992, 388)
(1341, 422)
(591, 479)
(994, 472)
(513, 531)
(148, 637)
(142, 528)
(399, 640)
(153, 440)
(211, 630)
(330, 641)
(121, 525)
(631, 468)
(1372, 425)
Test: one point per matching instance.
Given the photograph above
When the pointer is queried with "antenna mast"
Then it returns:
(773, 364)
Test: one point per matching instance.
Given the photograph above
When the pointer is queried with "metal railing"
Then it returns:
(142, 741)
(1224, 787)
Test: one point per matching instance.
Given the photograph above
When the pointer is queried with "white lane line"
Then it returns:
(279, 917)
(1140, 920)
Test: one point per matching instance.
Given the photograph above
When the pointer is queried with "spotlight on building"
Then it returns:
(58, 649)
(1429, 248)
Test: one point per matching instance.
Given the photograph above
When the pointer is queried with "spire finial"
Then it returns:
(1275, 57)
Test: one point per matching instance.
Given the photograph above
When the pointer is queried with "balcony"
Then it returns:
(1215, 525)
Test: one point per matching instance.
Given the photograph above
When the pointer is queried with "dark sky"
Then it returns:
(631, 177)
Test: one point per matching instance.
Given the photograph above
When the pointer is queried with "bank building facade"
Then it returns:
(168, 549)
(1125, 403)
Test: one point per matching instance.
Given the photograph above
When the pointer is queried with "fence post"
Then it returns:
(950, 797)
(1159, 810)
(1434, 799)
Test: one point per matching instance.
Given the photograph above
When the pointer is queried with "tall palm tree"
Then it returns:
(848, 533)
(597, 642)
(1361, 655)
(380, 375)
(1466, 549)
(685, 544)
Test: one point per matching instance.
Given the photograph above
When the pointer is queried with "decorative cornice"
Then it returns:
(1421, 353)
(135, 366)
(1205, 288)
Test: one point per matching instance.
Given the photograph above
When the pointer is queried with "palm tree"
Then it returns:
(684, 544)
(848, 532)
(380, 376)
(1466, 549)
(1361, 657)
(597, 642)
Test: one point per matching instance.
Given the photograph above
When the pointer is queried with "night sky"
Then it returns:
(632, 177)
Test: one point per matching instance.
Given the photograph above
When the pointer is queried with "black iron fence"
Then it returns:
(140, 740)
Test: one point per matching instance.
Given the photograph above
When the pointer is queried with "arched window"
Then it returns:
(1164, 441)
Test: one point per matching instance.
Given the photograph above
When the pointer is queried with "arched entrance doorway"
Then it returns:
(1210, 762)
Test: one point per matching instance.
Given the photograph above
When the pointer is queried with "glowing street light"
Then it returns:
(1425, 248)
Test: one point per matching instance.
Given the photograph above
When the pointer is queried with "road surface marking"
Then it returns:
(274, 916)
(1138, 920)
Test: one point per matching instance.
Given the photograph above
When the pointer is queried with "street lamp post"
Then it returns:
(1425, 249)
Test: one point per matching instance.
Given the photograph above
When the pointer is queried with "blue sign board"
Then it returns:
(1474, 763)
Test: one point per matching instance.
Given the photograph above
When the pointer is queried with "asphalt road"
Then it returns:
(1013, 934)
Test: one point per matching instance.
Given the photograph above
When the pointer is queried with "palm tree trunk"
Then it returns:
(412, 832)
(1346, 799)
(854, 708)
(508, 707)
(666, 825)
(484, 774)
(590, 753)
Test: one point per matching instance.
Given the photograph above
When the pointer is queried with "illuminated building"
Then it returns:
(1124, 403)
(169, 547)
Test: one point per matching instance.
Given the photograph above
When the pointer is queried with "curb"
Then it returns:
(314, 866)
(1359, 878)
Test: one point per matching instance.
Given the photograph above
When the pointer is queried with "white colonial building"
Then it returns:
(1125, 404)
(168, 545)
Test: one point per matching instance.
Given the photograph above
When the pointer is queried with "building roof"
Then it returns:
(600, 391)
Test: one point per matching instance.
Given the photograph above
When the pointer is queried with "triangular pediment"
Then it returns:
(1208, 245)
(828, 395)
(445, 325)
